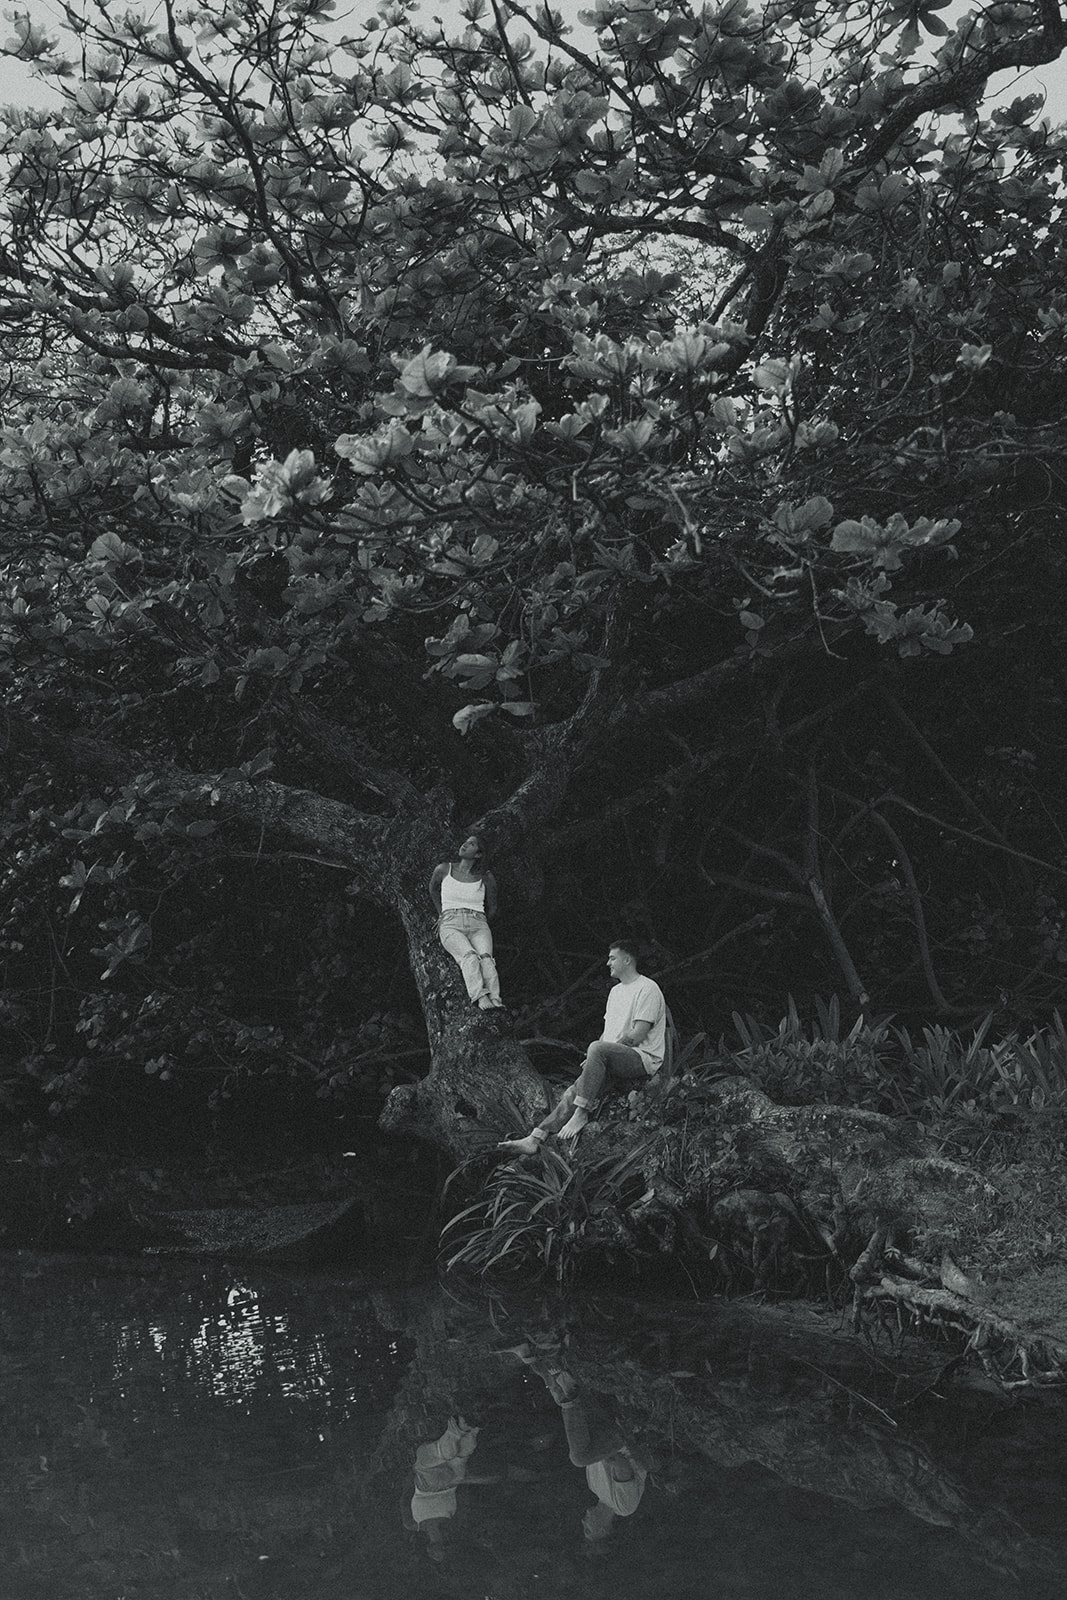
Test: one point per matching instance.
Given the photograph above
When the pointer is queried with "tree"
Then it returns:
(567, 431)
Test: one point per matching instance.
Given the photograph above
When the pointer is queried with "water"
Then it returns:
(178, 1432)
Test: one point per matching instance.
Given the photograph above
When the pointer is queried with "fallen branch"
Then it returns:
(1002, 1346)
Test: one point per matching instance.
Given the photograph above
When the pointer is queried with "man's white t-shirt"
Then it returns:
(622, 1495)
(639, 1001)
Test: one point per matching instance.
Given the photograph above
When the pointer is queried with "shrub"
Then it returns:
(968, 1091)
(539, 1221)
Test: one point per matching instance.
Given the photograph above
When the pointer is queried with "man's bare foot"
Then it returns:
(575, 1123)
(522, 1147)
(561, 1386)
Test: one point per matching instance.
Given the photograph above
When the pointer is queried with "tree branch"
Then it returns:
(701, 685)
(966, 833)
(787, 897)
(902, 856)
(357, 758)
(702, 955)
(939, 93)
(935, 761)
(554, 752)
(313, 824)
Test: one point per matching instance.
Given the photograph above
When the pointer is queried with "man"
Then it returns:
(612, 1471)
(630, 1048)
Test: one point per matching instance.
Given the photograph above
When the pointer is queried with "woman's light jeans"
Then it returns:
(468, 940)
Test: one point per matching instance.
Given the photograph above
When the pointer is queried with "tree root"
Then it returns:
(1008, 1354)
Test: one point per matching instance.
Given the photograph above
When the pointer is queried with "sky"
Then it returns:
(19, 87)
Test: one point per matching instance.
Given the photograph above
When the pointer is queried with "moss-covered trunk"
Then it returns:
(481, 1083)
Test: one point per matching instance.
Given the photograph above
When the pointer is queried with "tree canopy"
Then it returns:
(644, 438)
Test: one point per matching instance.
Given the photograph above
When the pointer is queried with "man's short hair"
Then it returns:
(631, 948)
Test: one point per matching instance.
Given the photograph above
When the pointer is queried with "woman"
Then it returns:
(464, 893)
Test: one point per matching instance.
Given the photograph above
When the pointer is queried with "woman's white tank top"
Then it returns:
(458, 895)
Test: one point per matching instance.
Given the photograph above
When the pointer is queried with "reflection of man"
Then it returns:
(616, 1478)
(440, 1467)
(630, 1048)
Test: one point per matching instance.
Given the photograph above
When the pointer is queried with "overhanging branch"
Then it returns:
(318, 827)
(941, 93)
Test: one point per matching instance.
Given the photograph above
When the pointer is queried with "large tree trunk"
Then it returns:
(481, 1083)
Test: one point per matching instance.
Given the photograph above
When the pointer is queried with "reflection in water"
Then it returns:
(595, 1441)
(173, 1433)
(239, 1350)
(441, 1465)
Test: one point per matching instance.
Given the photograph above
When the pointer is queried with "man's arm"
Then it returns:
(650, 1000)
(636, 1034)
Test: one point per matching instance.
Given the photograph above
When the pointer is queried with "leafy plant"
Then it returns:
(798, 1064)
(539, 1220)
(965, 1089)
(975, 1091)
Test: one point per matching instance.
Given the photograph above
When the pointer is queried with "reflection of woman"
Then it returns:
(440, 1467)
(464, 893)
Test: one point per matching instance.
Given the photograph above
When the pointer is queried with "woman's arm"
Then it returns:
(490, 894)
(435, 884)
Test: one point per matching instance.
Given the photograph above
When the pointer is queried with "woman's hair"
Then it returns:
(482, 852)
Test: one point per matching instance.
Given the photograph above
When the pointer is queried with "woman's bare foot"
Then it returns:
(524, 1351)
(522, 1147)
(574, 1125)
